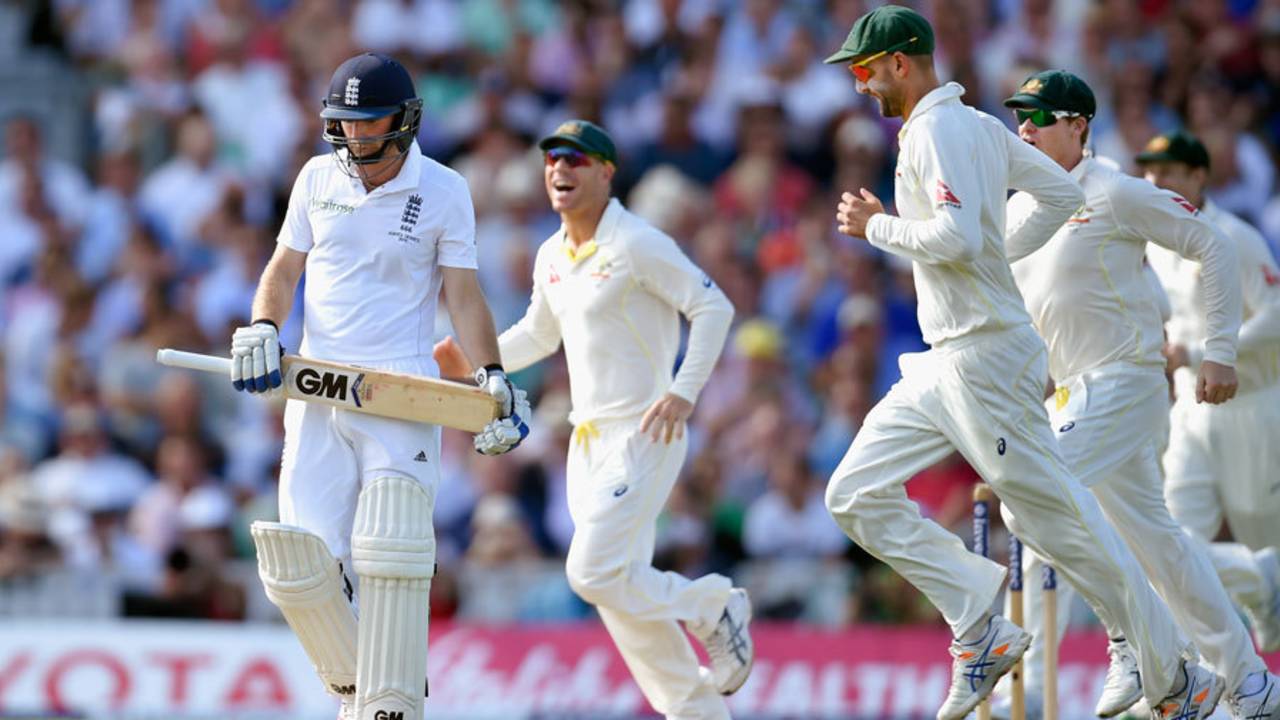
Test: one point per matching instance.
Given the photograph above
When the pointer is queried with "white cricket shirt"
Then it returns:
(616, 303)
(1258, 361)
(372, 279)
(955, 167)
(1086, 289)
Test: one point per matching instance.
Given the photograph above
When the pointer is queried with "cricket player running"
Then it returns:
(379, 229)
(1089, 297)
(612, 289)
(1222, 459)
(980, 387)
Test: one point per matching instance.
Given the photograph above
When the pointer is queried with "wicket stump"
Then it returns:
(983, 505)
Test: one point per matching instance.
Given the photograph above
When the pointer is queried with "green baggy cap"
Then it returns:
(889, 28)
(1177, 146)
(587, 136)
(1055, 90)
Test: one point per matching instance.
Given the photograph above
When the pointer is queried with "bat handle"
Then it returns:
(194, 361)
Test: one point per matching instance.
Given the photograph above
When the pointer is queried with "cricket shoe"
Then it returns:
(729, 645)
(1264, 619)
(1262, 704)
(1198, 693)
(1123, 687)
(976, 666)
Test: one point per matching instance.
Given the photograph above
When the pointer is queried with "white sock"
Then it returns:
(977, 631)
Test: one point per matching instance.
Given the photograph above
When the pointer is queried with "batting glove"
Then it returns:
(505, 433)
(255, 357)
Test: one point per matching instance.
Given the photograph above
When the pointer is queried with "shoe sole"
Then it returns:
(1137, 695)
(984, 690)
(737, 680)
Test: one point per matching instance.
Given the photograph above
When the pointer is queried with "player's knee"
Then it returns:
(595, 583)
(393, 534)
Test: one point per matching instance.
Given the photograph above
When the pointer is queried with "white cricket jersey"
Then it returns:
(955, 167)
(1258, 364)
(372, 278)
(1086, 288)
(616, 303)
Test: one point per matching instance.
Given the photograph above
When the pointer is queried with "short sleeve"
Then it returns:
(458, 239)
(295, 233)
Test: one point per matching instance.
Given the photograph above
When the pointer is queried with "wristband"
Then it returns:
(482, 375)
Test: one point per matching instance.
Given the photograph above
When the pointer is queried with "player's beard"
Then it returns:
(890, 101)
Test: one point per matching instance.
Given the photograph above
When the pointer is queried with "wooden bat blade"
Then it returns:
(375, 392)
(396, 395)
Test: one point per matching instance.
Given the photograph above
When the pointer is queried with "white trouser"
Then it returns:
(618, 481)
(982, 395)
(1110, 423)
(1221, 465)
(331, 454)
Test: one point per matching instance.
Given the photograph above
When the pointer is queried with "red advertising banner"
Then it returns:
(128, 670)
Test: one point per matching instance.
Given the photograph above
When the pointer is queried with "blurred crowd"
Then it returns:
(734, 138)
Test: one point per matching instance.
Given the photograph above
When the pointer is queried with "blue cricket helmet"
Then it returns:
(367, 87)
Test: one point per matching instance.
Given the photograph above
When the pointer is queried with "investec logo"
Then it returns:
(342, 387)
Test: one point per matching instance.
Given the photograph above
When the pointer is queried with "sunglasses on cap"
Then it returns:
(572, 155)
(864, 73)
(1043, 118)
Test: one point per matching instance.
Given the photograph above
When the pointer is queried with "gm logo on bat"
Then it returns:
(329, 384)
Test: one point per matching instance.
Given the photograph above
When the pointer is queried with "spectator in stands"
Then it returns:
(1243, 174)
(177, 196)
(181, 469)
(195, 581)
(28, 164)
(25, 545)
(787, 521)
(86, 475)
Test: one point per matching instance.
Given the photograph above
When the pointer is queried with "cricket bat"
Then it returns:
(376, 392)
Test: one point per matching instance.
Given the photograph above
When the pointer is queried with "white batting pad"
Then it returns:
(305, 582)
(393, 551)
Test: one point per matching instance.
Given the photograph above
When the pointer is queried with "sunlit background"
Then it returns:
(149, 149)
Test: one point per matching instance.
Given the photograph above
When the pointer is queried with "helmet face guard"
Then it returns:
(404, 129)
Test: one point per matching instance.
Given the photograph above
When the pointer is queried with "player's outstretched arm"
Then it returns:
(255, 348)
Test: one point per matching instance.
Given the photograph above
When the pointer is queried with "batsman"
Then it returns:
(379, 230)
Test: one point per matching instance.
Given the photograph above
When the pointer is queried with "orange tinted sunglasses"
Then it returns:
(864, 73)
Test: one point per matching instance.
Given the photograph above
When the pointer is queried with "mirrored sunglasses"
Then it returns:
(1042, 118)
(575, 157)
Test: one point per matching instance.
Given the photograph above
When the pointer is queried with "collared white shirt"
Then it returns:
(1086, 288)
(616, 302)
(373, 258)
(1258, 364)
(955, 168)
